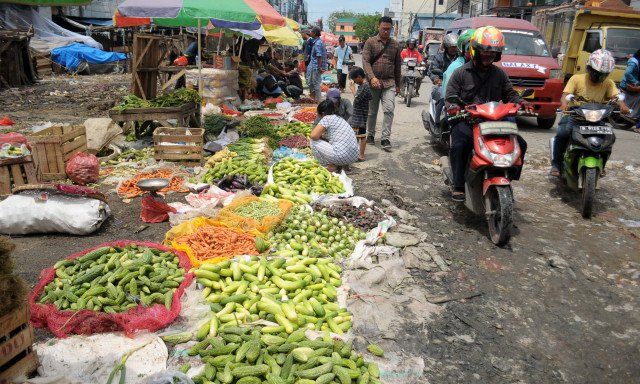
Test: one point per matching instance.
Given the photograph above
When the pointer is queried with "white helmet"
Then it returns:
(450, 40)
(600, 65)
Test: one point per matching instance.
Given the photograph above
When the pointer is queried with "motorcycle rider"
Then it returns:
(411, 52)
(476, 82)
(463, 57)
(441, 61)
(592, 86)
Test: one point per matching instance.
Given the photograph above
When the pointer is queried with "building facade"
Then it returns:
(346, 28)
(412, 10)
(293, 9)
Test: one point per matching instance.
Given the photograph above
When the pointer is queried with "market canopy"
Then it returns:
(282, 35)
(241, 14)
(292, 24)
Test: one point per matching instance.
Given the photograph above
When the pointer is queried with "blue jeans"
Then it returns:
(561, 140)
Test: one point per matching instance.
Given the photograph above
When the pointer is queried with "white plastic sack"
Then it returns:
(27, 213)
(90, 359)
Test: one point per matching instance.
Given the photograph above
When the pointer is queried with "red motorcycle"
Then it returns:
(495, 161)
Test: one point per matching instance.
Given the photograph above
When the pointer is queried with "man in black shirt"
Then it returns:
(476, 82)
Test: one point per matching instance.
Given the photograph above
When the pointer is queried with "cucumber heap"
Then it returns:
(112, 279)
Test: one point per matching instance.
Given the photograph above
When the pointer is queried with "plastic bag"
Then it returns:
(13, 138)
(83, 168)
(87, 322)
(155, 210)
(167, 377)
(229, 217)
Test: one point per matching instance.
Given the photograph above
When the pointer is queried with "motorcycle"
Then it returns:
(435, 121)
(495, 161)
(588, 150)
(410, 79)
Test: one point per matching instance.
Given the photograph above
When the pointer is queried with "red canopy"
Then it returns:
(266, 13)
(329, 38)
(122, 21)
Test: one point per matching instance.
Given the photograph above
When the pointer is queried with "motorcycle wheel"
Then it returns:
(621, 122)
(501, 216)
(409, 94)
(589, 191)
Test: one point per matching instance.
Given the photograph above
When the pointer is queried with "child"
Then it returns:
(360, 107)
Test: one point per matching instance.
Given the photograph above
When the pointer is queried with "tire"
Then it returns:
(409, 94)
(501, 218)
(589, 191)
(620, 122)
(546, 122)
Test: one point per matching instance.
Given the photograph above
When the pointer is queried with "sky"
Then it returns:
(322, 8)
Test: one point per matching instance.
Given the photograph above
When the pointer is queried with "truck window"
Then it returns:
(592, 42)
(622, 43)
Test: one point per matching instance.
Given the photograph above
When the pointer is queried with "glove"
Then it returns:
(527, 106)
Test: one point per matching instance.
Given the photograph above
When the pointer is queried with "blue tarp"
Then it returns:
(71, 56)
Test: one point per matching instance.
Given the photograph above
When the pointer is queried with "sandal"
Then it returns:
(361, 159)
(458, 196)
(636, 130)
(554, 172)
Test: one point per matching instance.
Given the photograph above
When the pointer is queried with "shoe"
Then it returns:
(386, 145)
(458, 196)
(371, 140)
(554, 172)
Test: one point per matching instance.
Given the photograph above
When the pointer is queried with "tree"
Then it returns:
(334, 16)
(367, 26)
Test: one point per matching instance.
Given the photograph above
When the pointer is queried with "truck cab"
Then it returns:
(527, 61)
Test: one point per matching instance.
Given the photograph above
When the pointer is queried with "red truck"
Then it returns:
(527, 61)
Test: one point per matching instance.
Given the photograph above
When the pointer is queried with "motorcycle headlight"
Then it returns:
(499, 160)
(556, 74)
(593, 115)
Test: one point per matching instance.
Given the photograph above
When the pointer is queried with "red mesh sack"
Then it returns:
(13, 138)
(87, 322)
(155, 210)
(83, 168)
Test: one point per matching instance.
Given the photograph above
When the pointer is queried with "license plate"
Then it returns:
(595, 130)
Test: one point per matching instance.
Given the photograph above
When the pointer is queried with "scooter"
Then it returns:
(588, 150)
(410, 79)
(495, 161)
(434, 119)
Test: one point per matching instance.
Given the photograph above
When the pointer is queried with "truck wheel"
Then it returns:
(546, 122)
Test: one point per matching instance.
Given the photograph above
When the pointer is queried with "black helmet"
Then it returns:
(412, 41)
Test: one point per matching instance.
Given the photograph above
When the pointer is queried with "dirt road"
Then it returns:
(559, 304)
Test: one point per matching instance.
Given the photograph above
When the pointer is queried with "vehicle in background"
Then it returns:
(431, 48)
(526, 60)
(576, 30)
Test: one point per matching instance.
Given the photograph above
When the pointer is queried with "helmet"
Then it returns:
(487, 39)
(600, 65)
(463, 41)
(412, 41)
(450, 40)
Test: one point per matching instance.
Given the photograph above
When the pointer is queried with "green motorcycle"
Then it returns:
(588, 150)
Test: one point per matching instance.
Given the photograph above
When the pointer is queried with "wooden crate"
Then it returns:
(52, 147)
(137, 119)
(17, 358)
(15, 173)
(187, 148)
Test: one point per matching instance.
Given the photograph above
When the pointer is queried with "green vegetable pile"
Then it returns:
(296, 180)
(258, 127)
(259, 355)
(296, 293)
(112, 279)
(258, 209)
(254, 168)
(314, 234)
(131, 155)
(176, 98)
(294, 128)
(214, 124)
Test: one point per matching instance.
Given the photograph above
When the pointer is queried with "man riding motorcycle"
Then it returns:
(592, 86)
(476, 82)
(441, 62)
(464, 56)
(411, 52)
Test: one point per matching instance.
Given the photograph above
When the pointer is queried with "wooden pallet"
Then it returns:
(52, 147)
(187, 149)
(17, 358)
(16, 173)
(136, 119)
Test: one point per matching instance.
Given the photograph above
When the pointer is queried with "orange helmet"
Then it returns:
(487, 39)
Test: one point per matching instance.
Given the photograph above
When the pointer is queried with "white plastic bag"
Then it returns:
(28, 213)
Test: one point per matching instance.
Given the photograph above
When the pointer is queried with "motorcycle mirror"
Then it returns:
(526, 93)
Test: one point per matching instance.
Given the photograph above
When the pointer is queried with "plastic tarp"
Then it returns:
(72, 55)
(47, 34)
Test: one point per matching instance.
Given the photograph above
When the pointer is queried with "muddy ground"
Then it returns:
(558, 305)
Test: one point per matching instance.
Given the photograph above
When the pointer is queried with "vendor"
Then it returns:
(333, 141)
(292, 83)
(192, 52)
(267, 85)
(343, 107)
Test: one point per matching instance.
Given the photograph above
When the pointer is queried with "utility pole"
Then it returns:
(410, 29)
(433, 16)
